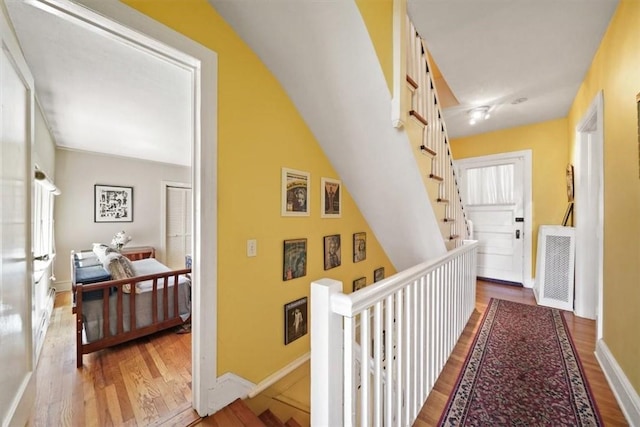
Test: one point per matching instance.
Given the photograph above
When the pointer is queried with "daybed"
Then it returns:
(117, 300)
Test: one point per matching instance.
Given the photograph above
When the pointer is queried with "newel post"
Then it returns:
(326, 355)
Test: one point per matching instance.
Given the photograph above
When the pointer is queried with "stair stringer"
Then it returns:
(322, 55)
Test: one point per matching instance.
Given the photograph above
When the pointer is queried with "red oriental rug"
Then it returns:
(522, 370)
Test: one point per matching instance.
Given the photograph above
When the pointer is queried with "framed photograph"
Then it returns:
(331, 203)
(359, 283)
(359, 246)
(295, 320)
(112, 203)
(378, 274)
(332, 257)
(294, 259)
(296, 195)
(570, 182)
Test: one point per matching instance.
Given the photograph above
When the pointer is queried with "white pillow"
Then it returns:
(101, 250)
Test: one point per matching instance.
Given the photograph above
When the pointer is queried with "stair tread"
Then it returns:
(436, 177)
(244, 414)
(418, 117)
(292, 423)
(270, 419)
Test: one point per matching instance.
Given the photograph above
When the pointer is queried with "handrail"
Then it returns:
(348, 305)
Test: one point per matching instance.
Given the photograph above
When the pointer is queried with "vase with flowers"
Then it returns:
(120, 239)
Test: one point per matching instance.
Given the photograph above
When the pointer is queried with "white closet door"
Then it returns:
(178, 226)
(16, 335)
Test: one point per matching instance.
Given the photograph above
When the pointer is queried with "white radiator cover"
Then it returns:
(555, 267)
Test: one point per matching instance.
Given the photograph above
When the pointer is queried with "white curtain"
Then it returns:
(490, 185)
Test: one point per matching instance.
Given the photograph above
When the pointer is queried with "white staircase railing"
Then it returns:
(426, 109)
(411, 322)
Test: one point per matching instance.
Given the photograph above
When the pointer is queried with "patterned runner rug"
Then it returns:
(522, 370)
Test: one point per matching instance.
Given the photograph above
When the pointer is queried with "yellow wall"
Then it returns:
(260, 131)
(616, 71)
(548, 142)
(378, 17)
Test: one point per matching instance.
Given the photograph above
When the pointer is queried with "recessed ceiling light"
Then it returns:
(519, 100)
(477, 114)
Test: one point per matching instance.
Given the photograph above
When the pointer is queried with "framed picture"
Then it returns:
(296, 195)
(570, 182)
(112, 203)
(331, 203)
(359, 283)
(295, 320)
(294, 259)
(332, 257)
(378, 274)
(359, 246)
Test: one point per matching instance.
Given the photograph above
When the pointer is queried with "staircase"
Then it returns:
(238, 414)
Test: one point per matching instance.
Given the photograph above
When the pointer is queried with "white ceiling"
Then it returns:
(104, 95)
(493, 52)
(111, 97)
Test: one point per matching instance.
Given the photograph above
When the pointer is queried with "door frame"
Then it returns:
(126, 25)
(589, 145)
(526, 156)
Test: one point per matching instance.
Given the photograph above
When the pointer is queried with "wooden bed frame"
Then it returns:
(171, 318)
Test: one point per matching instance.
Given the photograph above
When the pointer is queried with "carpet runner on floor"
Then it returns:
(522, 370)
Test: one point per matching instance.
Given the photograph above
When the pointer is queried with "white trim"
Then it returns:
(627, 397)
(398, 114)
(228, 388)
(527, 195)
(589, 144)
(278, 375)
(127, 25)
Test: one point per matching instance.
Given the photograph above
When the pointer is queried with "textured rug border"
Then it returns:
(491, 309)
(481, 335)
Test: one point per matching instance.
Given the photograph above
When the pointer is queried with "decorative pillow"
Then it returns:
(101, 250)
(120, 267)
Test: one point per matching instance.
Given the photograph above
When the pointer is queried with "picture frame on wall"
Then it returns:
(294, 259)
(112, 203)
(359, 246)
(332, 252)
(570, 190)
(378, 274)
(295, 320)
(331, 198)
(359, 283)
(296, 192)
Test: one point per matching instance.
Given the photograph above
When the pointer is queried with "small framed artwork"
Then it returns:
(295, 320)
(359, 283)
(296, 196)
(332, 257)
(570, 182)
(112, 203)
(331, 203)
(378, 274)
(294, 259)
(359, 246)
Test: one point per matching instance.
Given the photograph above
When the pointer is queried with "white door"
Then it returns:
(16, 335)
(177, 225)
(493, 195)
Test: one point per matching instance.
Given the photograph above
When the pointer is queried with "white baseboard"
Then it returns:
(627, 397)
(228, 388)
(63, 285)
(278, 375)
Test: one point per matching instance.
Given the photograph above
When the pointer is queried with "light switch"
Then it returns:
(252, 247)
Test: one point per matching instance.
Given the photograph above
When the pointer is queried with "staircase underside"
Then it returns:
(323, 57)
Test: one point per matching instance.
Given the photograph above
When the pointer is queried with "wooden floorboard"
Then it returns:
(148, 381)
(583, 333)
(144, 382)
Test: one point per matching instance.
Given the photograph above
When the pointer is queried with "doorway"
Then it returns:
(589, 209)
(496, 192)
(176, 231)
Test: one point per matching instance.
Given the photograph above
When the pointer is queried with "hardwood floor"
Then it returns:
(140, 383)
(583, 333)
(148, 381)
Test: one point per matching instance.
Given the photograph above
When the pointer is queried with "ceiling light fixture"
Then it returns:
(479, 113)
